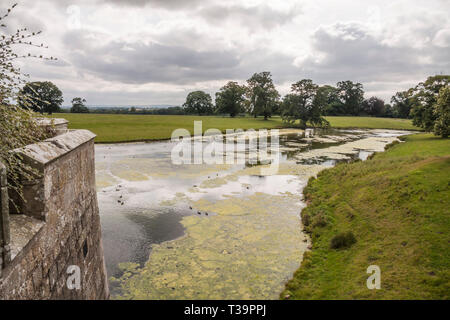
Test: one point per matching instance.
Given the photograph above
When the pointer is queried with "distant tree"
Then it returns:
(402, 104)
(388, 111)
(442, 113)
(374, 106)
(330, 94)
(230, 99)
(304, 104)
(262, 94)
(78, 106)
(351, 95)
(424, 98)
(277, 107)
(42, 96)
(198, 102)
(133, 109)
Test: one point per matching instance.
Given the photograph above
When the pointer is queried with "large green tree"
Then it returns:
(402, 104)
(305, 104)
(78, 105)
(330, 95)
(262, 94)
(442, 113)
(43, 96)
(230, 99)
(198, 102)
(424, 97)
(352, 96)
(374, 106)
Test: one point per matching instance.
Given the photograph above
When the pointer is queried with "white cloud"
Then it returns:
(155, 51)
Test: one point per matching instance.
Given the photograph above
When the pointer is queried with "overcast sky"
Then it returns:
(144, 52)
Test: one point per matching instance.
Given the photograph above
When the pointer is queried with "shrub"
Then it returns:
(343, 240)
(306, 220)
(17, 123)
(319, 220)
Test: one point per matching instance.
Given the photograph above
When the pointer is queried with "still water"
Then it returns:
(220, 231)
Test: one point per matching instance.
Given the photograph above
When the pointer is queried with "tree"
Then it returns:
(43, 96)
(198, 102)
(388, 111)
(304, 104)
(230, 99)
(374, 107)
(330, 94)
(352, 95)
(402, 104)
(442, 113)
(424, 97)
(262, 94)
(78, 106)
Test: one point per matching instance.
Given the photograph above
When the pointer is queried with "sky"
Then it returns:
(153, 52)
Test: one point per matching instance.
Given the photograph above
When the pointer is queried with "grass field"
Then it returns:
(121, 128)
(398, 207)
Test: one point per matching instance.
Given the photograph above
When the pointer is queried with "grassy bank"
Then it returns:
(397, 206)
(119, 128)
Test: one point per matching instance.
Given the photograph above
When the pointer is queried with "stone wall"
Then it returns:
(5, 249)
(58, 226)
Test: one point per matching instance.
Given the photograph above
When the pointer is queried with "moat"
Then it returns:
(222, 231)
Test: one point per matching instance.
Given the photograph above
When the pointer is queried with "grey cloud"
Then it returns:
(166, 4)
(349, 52)
(261, 16)
(142, 63)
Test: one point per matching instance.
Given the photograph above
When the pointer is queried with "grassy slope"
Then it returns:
(115, 128)
(398, 206)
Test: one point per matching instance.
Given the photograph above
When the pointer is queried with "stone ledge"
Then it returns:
(23, 229)
(44, 152)
(51, 121)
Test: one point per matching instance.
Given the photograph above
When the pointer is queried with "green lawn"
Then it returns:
(370, 122)
(120, 128)
(398, 207)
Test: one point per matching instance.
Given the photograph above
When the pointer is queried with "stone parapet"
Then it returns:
(58, 225)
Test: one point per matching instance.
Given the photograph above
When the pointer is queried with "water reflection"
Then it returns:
(146, 200)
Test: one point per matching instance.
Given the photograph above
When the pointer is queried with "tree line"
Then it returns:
(427, 103)
(306, 103)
